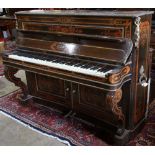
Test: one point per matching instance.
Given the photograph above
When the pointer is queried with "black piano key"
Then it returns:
(70, 62)
(73, 62)
(44, 58)
(87, 65)
(101, 69)
(96, 67)
(90, 65)
(58, 60)
(84, 65)
(52, 59)
(20, 54)
(55, 60)
(62, 61)
(66, 61)
(78, 64)
(49, 58)
(105, 69)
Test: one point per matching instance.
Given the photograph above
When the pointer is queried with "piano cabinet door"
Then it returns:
(50, 89)
(92, 102)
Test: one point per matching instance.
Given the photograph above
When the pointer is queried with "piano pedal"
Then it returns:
(68, 114)
(73, 115)
(25, 101)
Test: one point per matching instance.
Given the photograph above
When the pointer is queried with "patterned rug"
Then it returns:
(1, 70)
(70, 131)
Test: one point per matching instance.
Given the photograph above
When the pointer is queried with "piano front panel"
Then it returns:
(119, 27)
(74, 29)
(56, 87)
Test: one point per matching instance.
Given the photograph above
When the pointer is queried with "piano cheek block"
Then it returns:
(117, 77)
(91, 70)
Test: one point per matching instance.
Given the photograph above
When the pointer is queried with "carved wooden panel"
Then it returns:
(49, 88)
(92, 101)
(50, 85)
(92, 97)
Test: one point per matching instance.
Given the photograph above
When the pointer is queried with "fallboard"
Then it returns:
(96, 47)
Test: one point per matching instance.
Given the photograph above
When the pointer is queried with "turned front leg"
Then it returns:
(10, 75)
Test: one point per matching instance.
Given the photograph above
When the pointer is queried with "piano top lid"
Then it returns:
(85, 13)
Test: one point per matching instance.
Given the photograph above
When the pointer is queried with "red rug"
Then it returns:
(70, 131)
(1, 70)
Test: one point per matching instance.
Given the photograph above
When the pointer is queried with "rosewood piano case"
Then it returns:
(117, 103)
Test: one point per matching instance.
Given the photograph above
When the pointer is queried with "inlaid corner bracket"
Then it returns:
(10, 75)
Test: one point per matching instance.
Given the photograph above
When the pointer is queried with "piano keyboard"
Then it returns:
(93, 69)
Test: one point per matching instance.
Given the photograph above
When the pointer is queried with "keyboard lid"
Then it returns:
(99, 48)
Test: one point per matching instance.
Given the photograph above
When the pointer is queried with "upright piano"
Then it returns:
(94, 65)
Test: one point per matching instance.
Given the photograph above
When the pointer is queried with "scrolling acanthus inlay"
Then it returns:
(113, 99)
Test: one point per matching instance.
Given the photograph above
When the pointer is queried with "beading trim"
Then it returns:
(137, 31)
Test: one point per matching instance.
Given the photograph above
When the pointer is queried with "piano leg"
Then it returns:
(113, 99)
(9, 74)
